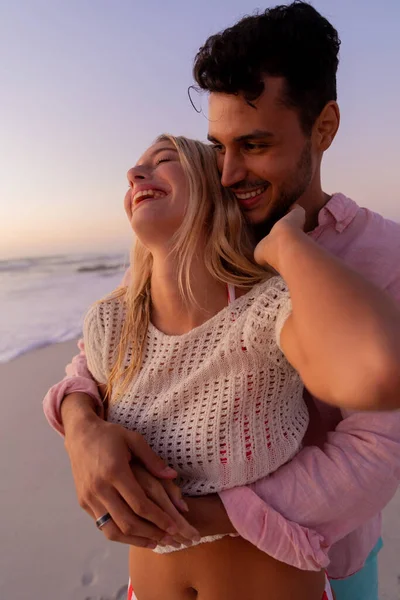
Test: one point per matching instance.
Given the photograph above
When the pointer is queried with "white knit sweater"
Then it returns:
(221, 404)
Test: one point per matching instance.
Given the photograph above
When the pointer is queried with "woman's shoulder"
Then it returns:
(106, 313)
(273, 299)
(270, 291)
(275, 284)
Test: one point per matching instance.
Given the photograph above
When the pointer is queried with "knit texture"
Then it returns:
(221, 404)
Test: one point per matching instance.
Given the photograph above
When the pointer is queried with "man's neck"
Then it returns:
(313, 203)
(170, 313)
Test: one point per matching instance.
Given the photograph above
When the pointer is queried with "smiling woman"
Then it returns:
(185, 216)
(157, 175)
(192, 255)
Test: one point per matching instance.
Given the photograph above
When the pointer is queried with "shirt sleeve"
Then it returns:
(296, 514)
(324, 493)
(78, 379)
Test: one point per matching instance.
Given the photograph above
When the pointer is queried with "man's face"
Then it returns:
(263, 155)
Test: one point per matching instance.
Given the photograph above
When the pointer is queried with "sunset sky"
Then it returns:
(85, 86)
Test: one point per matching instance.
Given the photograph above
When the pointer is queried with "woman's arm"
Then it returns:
(343, 336)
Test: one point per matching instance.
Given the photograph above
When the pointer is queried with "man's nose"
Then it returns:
(233, 169)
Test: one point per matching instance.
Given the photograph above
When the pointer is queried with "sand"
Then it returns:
(50, 549)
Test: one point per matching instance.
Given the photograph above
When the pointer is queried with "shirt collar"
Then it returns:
(339, 212)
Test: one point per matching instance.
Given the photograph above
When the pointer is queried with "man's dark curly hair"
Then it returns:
(291, 41)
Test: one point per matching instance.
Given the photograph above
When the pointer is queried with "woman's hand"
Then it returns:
(268, 249)
(168, 496)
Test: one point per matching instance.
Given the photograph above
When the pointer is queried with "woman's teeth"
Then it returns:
(144, 194)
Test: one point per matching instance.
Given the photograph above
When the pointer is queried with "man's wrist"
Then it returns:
(78, 410)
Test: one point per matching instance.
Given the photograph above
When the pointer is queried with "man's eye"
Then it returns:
(218, 148)
(254, 147)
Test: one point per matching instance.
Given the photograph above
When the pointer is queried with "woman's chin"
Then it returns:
(154, 233)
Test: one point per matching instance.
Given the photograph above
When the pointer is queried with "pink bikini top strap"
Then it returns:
(231, 293)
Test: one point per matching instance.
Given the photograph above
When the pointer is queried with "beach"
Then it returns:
(50, 548)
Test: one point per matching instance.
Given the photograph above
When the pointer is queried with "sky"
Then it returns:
(86, 85)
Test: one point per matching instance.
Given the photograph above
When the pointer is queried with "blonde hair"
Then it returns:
(212, 211)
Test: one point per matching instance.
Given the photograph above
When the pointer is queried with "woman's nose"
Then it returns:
(137, 174)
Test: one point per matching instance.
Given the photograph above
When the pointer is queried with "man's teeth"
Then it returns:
(250, 194)
(148, 194)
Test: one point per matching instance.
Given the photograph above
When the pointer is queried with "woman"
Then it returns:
(207, 383)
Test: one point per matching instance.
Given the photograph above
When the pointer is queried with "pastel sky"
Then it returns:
(86, 85)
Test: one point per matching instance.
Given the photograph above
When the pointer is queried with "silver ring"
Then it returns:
(101, 521)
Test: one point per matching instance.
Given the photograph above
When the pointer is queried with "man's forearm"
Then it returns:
(323, 494)
(77, 410)
(345, 330)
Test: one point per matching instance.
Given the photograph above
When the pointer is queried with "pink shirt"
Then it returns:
(322, 509)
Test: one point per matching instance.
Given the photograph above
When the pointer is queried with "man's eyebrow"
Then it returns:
(256, 135)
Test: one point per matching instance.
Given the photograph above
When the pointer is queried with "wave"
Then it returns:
(100, 267)
(78, 264)
(49, 306)
(8, 354)
(15, 265)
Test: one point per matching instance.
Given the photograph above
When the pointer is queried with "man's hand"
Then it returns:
(101, 455)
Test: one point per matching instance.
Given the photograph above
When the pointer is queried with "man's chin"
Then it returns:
(262, 221)
(259, 214)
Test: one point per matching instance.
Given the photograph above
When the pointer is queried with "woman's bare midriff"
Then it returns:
(227, 569)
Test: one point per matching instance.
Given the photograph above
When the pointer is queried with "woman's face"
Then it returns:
(158, 194)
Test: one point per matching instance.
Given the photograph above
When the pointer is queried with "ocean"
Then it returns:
(44, 300)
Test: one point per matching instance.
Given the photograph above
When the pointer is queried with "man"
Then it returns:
(272, 115)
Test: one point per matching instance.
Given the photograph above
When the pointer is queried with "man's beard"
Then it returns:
(293, 189)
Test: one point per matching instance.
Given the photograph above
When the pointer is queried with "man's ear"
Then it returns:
(326, 126)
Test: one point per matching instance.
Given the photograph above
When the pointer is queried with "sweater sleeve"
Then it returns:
(267, 318)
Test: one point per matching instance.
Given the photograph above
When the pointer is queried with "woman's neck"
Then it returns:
(170, 313)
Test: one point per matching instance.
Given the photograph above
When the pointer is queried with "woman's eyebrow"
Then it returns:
(163, 149)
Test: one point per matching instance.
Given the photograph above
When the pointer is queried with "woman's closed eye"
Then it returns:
(164, 159)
